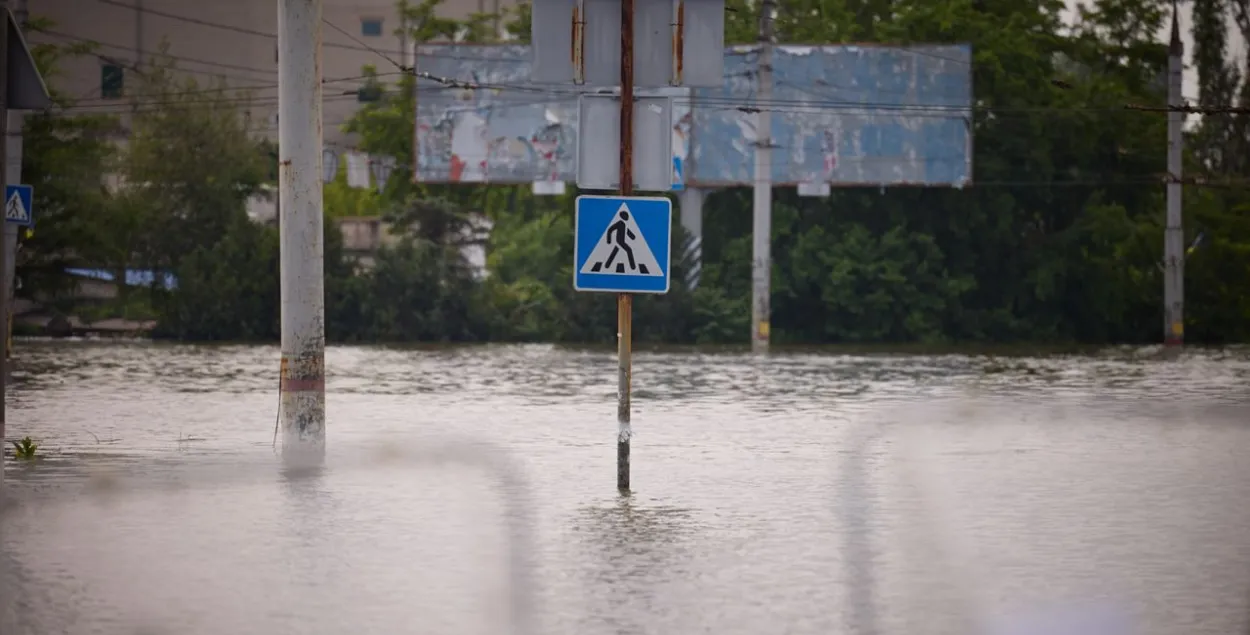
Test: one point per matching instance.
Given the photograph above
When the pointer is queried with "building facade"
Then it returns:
(231, 39)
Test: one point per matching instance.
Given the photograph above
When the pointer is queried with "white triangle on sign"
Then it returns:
(634, 258)
(15, 210)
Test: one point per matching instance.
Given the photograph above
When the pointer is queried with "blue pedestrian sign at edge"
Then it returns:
(622, 244)
(19, 205)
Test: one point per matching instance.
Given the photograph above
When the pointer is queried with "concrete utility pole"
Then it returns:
(4, 244)
(691, 201)
(761, 267)
(301, 230)
(13, 174)
(139, 38)
(1174, 236)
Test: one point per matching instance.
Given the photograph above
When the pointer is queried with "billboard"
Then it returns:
(841, 114)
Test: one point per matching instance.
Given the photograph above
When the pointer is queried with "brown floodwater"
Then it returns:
(472, 490)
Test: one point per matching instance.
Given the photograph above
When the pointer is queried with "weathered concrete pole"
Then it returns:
(762, 205)
(13, 174)
(302, 232)
(692, 199)
(4, 158)
(1174, 235)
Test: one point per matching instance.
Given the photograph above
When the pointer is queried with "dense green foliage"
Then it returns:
(1059, 240)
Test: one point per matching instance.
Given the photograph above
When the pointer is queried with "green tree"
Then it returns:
(226, 289)
(341, 200)
(65, 157)
(1216, 148)
(188, 170)
(1218, 274)
(1059, 238)
(192, 156)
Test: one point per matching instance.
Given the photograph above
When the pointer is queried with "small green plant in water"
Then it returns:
(25, 449)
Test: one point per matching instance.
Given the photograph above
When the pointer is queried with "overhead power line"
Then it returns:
(158, 103)
(1192, 110)
(742, 104)
(355, 39)
(223, 90)
(144, 52)
(222, 26)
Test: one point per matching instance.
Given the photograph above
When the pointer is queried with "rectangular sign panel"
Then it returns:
(510, 131)
(676, 42)
(845, 115)
(599, 143)
(842, 114)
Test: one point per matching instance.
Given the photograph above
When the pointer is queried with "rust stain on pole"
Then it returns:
(303, 373)
(627, 97)
(576, 45)
(679, 43)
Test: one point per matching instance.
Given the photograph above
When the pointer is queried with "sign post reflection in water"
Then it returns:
(303, 387)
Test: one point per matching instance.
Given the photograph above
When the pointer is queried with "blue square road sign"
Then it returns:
(622, 244)
(19, 205)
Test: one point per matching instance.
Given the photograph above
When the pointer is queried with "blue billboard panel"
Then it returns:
(845, 115)
(506, 131)
(840, 114)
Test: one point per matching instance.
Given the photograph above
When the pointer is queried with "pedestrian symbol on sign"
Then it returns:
(17, 205)
(622, 250)
(622, 244)
(14, 210)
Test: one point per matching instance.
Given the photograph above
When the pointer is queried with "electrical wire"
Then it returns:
(744, 102)
(150, 53)
(371, 49)
(231, 89)
(726, 101)
(245, 30)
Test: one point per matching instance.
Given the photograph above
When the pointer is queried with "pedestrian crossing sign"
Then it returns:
(18, 207)
(622, 244)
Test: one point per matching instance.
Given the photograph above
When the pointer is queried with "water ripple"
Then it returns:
(802, 492)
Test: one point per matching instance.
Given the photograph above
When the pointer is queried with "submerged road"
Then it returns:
(471, 490)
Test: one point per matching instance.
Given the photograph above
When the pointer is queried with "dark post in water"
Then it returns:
(624, 302)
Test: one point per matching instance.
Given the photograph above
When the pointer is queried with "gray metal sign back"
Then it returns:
(676, 42)
(599, 143)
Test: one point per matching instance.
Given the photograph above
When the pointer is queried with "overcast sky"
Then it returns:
(1191, 77)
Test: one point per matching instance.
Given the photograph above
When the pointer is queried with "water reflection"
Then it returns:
(772, 501)
(313, 553)
(639, 552)
(855, 506)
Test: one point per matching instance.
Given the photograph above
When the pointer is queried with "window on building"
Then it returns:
(112, 81)
(371, 27)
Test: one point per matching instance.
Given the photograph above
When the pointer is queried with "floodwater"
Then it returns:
(471, 490)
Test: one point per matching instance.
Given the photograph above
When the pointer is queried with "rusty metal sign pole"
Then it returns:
(625, 301)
